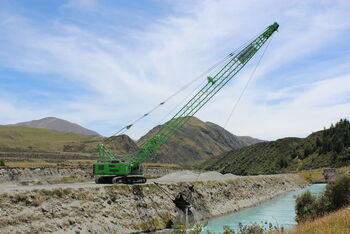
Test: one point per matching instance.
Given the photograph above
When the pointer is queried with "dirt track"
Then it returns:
(175, 177)
(182, 176)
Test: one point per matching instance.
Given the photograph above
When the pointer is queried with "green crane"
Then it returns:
(128, 169)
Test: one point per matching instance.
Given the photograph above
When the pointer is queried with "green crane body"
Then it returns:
(128, 169)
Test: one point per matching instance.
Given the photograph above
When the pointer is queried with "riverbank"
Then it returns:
(126, 209)
(279, 212)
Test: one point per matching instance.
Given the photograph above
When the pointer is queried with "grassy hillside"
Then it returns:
(327, 148)
(195, 142)
(28, 139)
(13, 138)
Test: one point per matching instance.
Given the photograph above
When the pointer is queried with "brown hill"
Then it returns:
(57, 124)
(197, 141)
(28, 139)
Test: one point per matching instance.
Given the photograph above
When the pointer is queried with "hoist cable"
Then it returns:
(209, 70)
(247, 84)
(126, 128)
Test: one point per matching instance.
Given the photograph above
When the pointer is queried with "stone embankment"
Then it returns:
(135, 208)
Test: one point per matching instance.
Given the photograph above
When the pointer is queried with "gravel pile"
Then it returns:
(189, 176)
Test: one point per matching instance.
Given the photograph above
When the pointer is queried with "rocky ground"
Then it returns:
(34, 176)
(135, 208)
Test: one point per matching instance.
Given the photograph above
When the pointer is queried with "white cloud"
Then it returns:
(126, 78)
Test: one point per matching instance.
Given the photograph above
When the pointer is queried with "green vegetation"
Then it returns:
(242, 229)
(327, 148)
(2, 163)
(336, 196)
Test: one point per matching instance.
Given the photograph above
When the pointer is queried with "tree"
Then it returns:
(347, 138)
(326, 145)
(307, 151)
(282, 162)
(318, 142)
(339, 192)
(338, 145)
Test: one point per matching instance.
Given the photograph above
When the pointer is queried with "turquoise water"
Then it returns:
(278, 211)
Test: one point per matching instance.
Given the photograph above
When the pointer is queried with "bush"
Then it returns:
(304, 207)
(336, 196)
(251, 229)
(339, 192)
(2, 163)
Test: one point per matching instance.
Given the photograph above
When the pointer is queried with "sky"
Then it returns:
(103, 64)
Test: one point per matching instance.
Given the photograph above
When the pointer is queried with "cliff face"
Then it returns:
(126, 208)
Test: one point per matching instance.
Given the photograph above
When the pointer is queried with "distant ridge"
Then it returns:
(197, 141)
(57, 124)
(326, 148)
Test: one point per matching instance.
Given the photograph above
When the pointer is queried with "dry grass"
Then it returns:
(25, 138)
(313, 176)
(337, 222)
(316, 175)
(69, 179)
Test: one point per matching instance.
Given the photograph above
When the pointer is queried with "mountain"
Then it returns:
(59, 125)
(119, 145)
(23, 139)
(326, 148)
(28, 139)
(195, 142)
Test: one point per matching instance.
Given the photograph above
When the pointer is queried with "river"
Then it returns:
(278, 211)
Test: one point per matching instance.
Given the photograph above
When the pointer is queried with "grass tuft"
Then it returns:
(337, 222)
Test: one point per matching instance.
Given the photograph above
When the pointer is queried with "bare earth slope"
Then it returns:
(59, 125)
(197, 141)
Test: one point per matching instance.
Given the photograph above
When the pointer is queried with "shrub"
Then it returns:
(2, 163)
(339, 193)
(251, 229)
(307, 151)
(304, 207)
(336, 196)
(282, 162)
